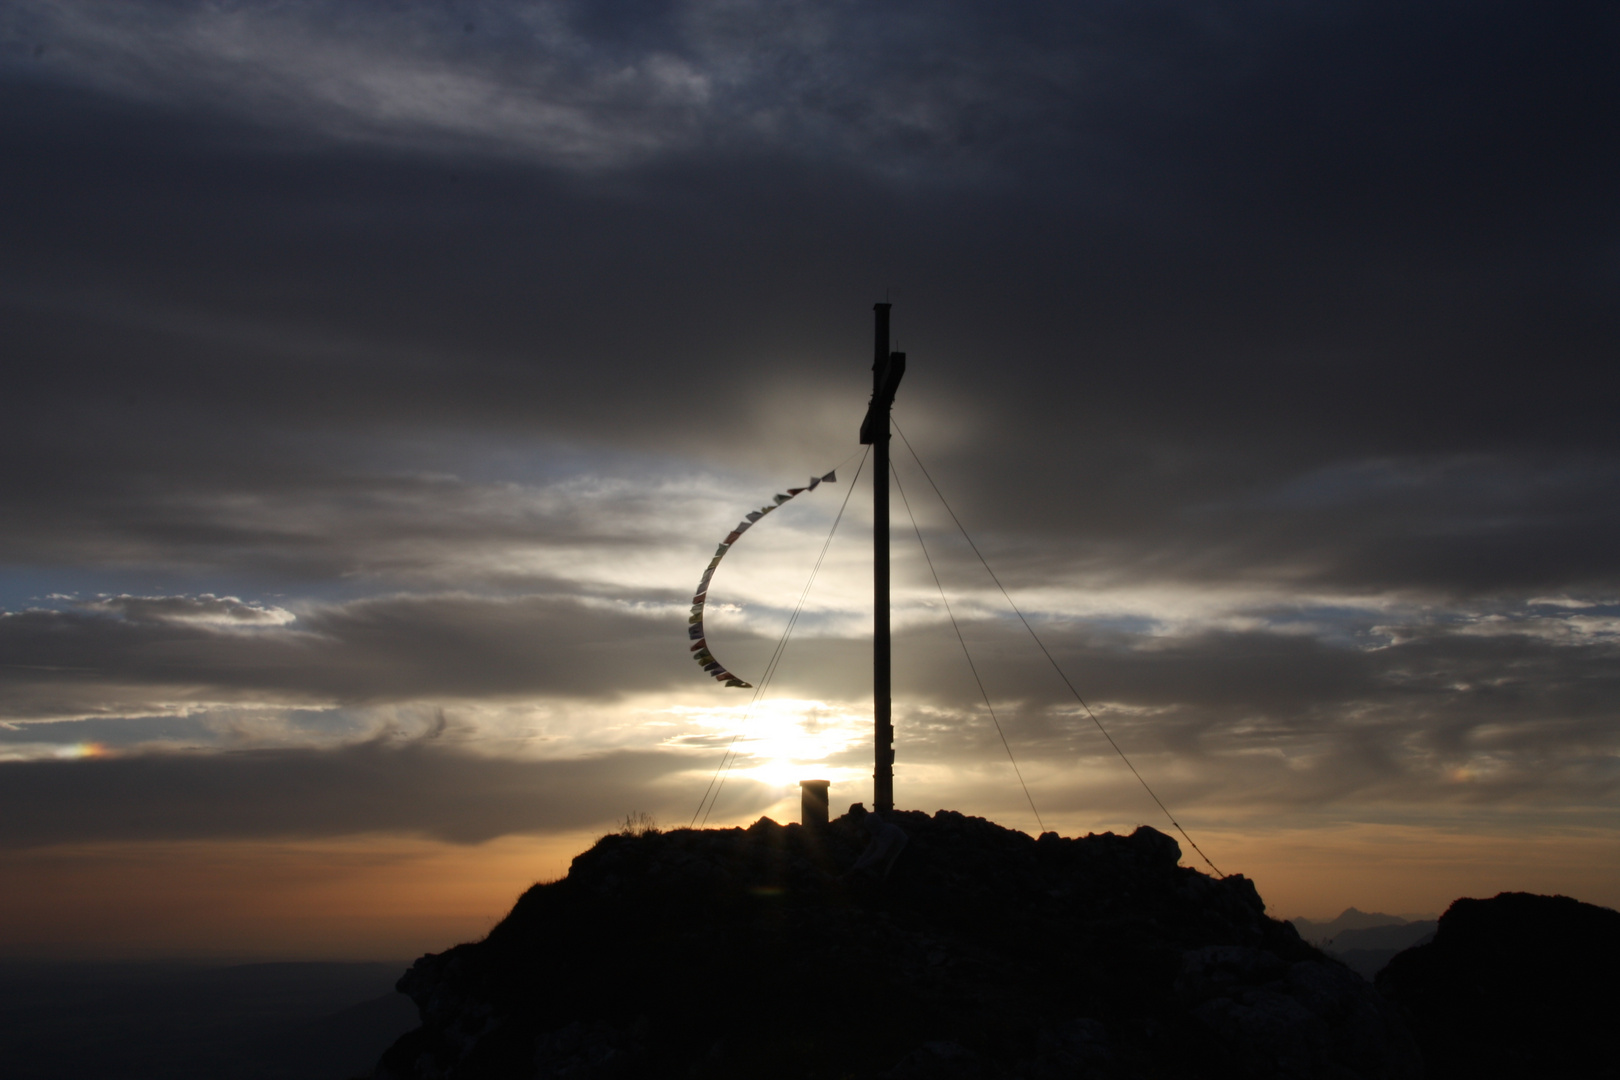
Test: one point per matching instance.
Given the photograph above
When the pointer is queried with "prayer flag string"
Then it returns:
(700, 644)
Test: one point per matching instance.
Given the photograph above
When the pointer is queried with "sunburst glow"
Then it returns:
(779, 743)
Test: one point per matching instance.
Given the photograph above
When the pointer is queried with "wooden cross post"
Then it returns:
(887, 369)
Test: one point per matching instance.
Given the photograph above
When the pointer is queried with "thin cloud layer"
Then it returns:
(67, 664)
(1497, 708)
(204, 610)
(371, 787)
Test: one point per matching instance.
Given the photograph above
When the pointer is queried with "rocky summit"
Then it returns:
(984, 953)
(1517, 985)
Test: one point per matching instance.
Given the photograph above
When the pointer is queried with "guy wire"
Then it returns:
(1050, 658)
(963, 642)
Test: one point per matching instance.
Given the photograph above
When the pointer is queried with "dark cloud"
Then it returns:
(409, 787)
(134, 654)
(1238, 249)
(1490, 709)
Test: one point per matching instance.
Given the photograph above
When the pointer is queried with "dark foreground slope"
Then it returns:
(741, 953)
(1517, 985)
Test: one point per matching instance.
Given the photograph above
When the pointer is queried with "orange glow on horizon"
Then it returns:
(394, 898)
(354, 898)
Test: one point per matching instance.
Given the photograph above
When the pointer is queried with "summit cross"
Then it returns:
(887, 370)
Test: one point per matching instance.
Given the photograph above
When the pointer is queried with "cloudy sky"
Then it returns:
(379, 379)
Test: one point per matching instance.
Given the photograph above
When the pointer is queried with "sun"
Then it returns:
(782, 741)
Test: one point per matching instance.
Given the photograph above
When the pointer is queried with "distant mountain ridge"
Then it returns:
(1353, 919)
(1365, 941)
(1366, 952)
(1398, 937)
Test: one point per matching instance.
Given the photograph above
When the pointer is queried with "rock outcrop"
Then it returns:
(744, 953)
(1518, 985)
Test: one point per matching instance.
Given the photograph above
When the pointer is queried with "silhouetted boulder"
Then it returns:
(985, 954)
(1518, 985)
